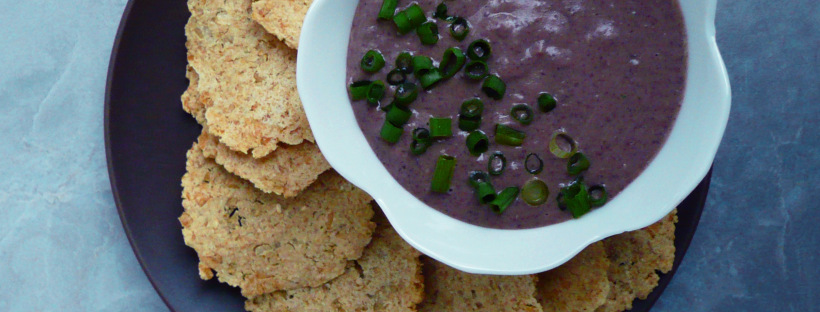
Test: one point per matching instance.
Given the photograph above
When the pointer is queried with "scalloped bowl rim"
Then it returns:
(679, 166)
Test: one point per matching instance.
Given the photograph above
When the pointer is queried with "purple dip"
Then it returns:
(616, 67)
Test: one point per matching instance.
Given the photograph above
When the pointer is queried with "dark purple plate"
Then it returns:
(147, 135)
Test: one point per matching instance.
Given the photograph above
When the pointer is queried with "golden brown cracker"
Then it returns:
(447, 289)
(581, 284)
(282, 18)
(635, 258)
(191, 100)
(263, 242)
(386, 278)
(286, 171)
(247, 76)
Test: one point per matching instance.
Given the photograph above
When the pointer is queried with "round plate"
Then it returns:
(147, 134)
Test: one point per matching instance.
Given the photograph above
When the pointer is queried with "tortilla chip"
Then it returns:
(581, 284)
(282, 18)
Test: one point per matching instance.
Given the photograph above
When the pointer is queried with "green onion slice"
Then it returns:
(459, 28)
(535, 166)
(535, 192)
(576, 198)
(476, 177)
(472, 108)
(452, 61)
(467, 124)
(505, 135)
(494, 87)
(477, 142)
(358, 89)
(375, 92)
(562, 145)
(398, 115)
(404, 62)
(405, 94)
(522, 113)
(443, 173)
(421, 64)
(419, 147)
(497, 163)
(504, 199)
(430, 78)
(479, 50)
(428, 33)
(441, 127)
(421, 134)
(390, 133)
(577, 163)
(597, 195)
(546, 102)
(372, 61)
(476, 70)
(485, 192)
(396, 77)
(441, 12)
(402, 21)
(388, 9)
(415, 14)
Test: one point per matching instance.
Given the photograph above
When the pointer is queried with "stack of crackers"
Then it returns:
(265, 212)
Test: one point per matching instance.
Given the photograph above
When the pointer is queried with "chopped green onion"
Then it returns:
(468, 124)
(476, 70)
(421, 141)
(430, 78)
(404, 62)
(441, 12)
(372, 61)
(396, 76)
(496, 163)
(477, 142)
(577, 163)
(597, 195)
(559, 149)
(535, 192)
(476, 177)
(398, 115)
(402, 21)
(390, 133)
(415, 14)
(479, 50)
(358, 89)
(405, 94)
(485, 192)
(421, 134)
(441, 127)
(388, 9)
(451, 62)
(536, 167)
(428, 33)
(472, 108)
(421, 65)
(494, 87)
(508, 136)
(504, 199)
(546, 102)
(459, 28)
(386, 108)
(375, 92)
(522, 113)
(443, 173)
(576, 198)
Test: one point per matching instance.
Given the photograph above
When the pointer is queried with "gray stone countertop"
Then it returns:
(62, 246)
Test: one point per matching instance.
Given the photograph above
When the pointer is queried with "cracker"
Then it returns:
(282, 18)
(286, 171)
(581, 284)
(246, 78)
(447, 289)
(263, 242)
(635, 258)
(191, 101)
(386, 278)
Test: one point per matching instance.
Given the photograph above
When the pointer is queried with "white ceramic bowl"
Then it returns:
(676, 170)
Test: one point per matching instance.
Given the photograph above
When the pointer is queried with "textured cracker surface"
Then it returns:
(447, 289)
(386, 278)
(286, 171)
(282, 18)
(581, 284)
(191, 101)
(635, 258)
(246, 78)
(263, 242)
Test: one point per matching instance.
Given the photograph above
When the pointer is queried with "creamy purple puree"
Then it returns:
(616, 67)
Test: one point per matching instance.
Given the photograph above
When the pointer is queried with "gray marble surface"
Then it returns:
(62, 246)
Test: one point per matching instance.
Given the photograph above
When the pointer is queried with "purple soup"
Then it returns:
(616, 68)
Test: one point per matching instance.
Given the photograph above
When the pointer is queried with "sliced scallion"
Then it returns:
(405, 94)
(390, 133)
(496, 163)
(597, 195)
(562, 145)
(421, 141)
(459, 28)
(396, 77)
(477, 142)
(504, 199)
(533, 164)
(430, 78)
(358, 89)
(421, 65)
(388, 9)
(445, 165)
(441, 127)
(451, 62)
(404, 62)
(402, 21)
(375, 92)
(577, 163)
(476, 177)
(522, 113)
(576, 199)
(546, 102)
(415, 14)
(476, 70)
(494, 87)
(428, 33)
(372, 61)
(441, 12)
(472, 108)
(398, 115)
(479, 50)
(505, 135)
(485, 192)
(467, 124)
(535, 192)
